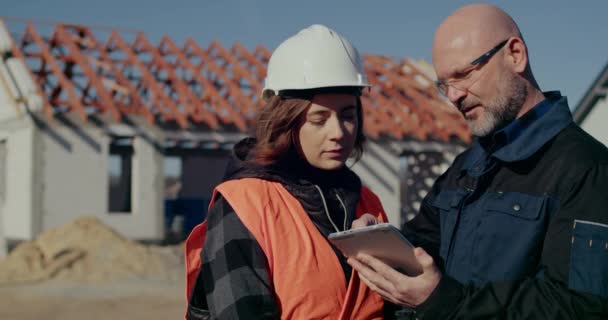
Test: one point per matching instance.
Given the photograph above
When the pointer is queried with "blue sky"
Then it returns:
(566, 39)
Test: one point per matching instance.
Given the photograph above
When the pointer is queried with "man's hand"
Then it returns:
(365, 220)
(394, 286)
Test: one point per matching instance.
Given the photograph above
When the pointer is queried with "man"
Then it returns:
(517, 227)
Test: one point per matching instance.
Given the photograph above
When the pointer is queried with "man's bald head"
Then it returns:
(470, 31)
(482, 67)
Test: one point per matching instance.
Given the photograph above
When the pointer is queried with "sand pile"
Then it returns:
(86, 250)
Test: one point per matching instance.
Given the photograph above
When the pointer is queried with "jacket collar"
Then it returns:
(524, 136)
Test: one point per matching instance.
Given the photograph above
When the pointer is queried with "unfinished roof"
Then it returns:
(88, 71)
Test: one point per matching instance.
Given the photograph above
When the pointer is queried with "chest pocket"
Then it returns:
(589, 258)
(513, 204)
(508, 236)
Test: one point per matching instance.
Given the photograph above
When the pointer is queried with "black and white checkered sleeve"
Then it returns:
(234, 271)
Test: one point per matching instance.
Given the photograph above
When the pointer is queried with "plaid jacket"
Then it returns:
(234, 272)
(239, 287)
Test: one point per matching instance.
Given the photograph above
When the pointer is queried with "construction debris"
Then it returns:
(86, 250)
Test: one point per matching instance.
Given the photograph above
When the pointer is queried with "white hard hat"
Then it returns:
(316, 57)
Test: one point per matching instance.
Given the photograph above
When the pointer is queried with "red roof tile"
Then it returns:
(213, 87)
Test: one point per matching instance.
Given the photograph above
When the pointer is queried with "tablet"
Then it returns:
(382, 241)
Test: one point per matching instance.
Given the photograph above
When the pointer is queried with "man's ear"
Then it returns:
(517, 55)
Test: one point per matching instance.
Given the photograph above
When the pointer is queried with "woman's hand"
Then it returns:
(367, 219)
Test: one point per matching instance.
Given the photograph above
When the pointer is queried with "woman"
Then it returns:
(265, 252)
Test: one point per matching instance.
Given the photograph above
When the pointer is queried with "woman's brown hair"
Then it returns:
(278, 124)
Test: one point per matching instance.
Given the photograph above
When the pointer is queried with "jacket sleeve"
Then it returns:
(234, 275)
(571, 281)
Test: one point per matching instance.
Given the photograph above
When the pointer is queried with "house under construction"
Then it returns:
(105, 123)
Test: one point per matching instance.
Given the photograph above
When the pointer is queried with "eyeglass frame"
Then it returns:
(443, 86)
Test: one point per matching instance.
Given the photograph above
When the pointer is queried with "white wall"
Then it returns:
(378, 170)
(18, 203)
(17, 90)
(74, 179)
(9, 109)
(595, 122)
(75, 182)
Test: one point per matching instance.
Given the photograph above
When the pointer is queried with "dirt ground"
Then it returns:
(86, 270)
(65, 301)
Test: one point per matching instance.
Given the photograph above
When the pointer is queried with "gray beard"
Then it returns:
(501, 110)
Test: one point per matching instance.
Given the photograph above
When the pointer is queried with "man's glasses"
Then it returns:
(460, 83)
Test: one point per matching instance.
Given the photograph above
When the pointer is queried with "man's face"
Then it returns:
(488, 95)
(486, 113)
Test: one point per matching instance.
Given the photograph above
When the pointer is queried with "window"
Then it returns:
(120, 175)
(173, 176)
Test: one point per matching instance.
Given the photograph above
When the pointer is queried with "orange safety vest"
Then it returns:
(307, 277)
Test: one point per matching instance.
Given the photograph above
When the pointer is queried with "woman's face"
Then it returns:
(329, 130)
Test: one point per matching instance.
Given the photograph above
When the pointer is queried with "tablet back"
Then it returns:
(383, 241)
